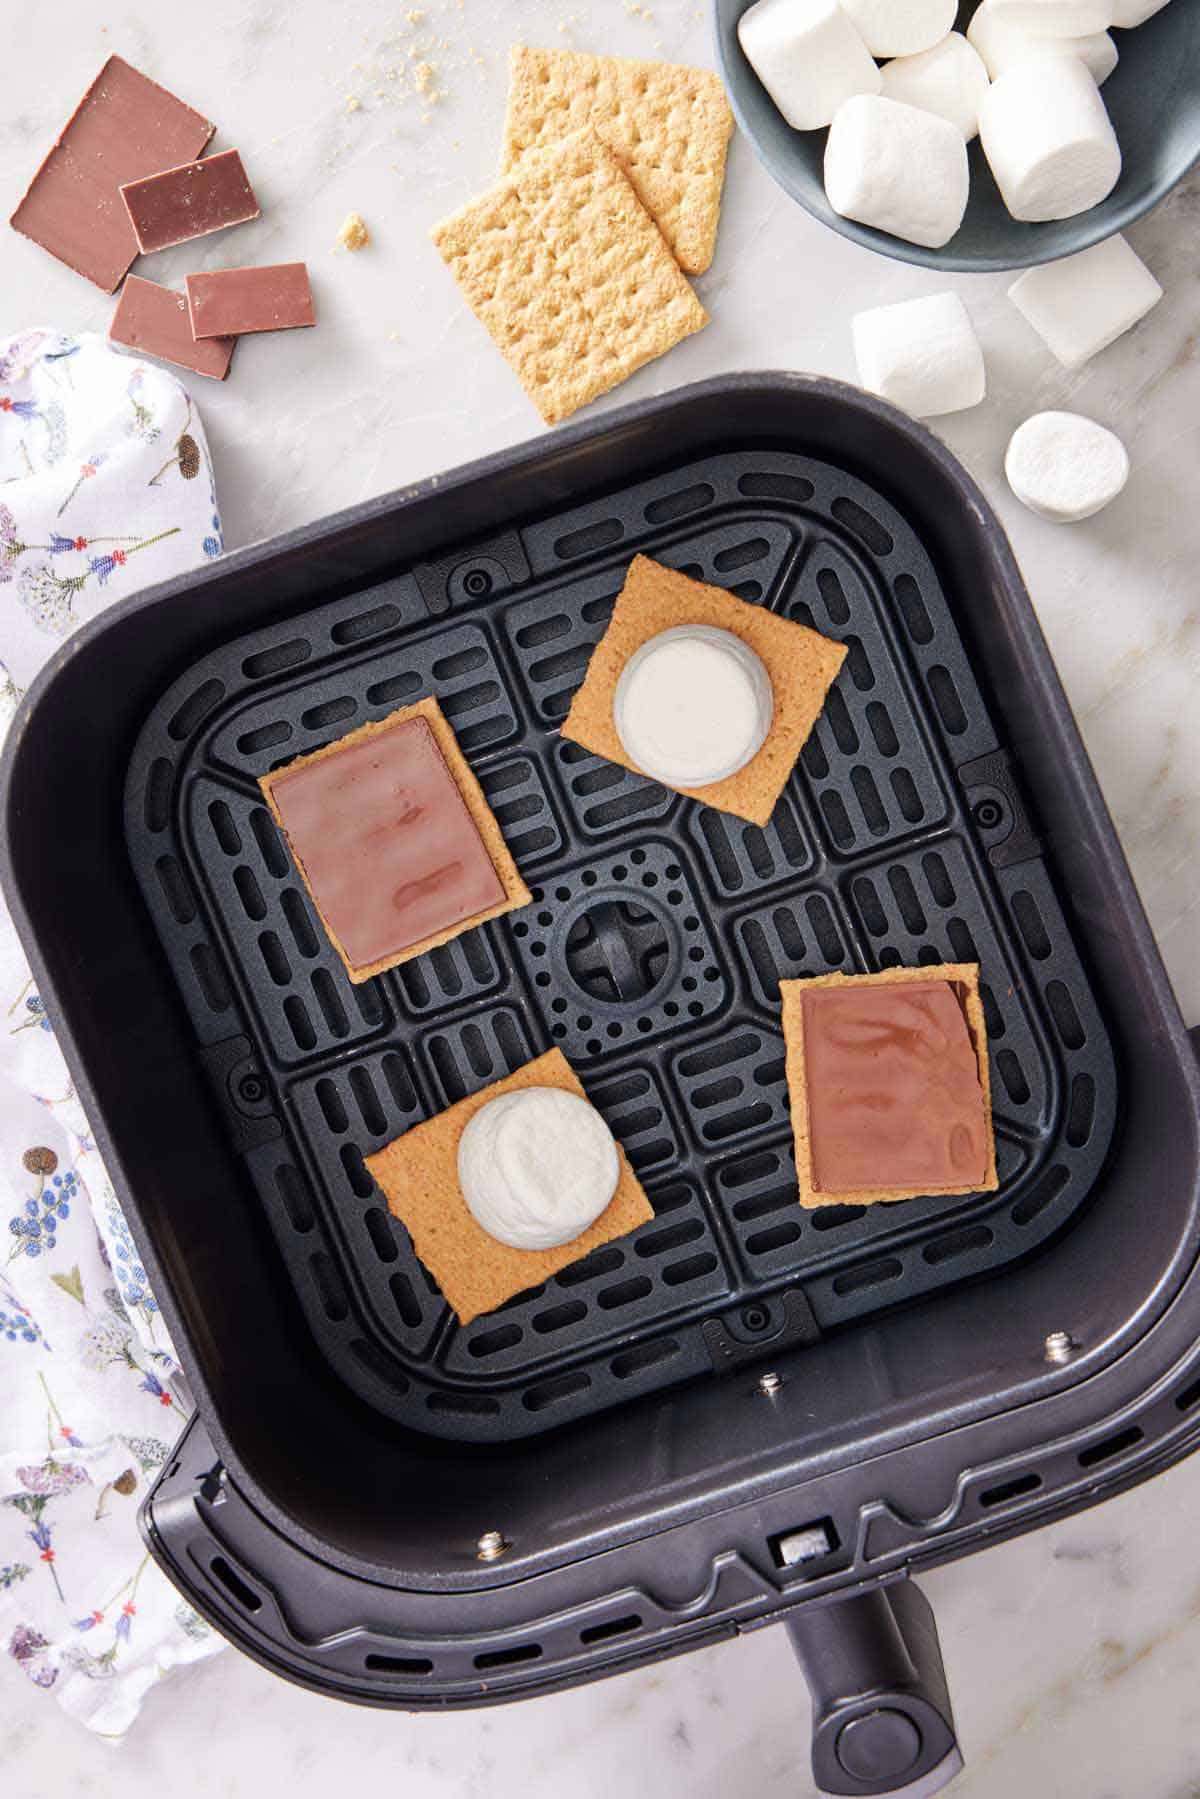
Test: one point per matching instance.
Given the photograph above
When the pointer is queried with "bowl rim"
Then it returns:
(1102, 223)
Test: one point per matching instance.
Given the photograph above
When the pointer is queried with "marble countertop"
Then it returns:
(1074, 1655)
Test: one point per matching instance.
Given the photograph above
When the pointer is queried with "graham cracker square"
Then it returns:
(515, 891)
(802, 666)
(566, 269)
(418, 1175)
(965, 976)
(670, 126)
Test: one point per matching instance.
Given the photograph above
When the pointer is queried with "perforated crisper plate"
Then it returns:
(651, 953)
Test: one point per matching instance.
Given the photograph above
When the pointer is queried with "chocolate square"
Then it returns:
(889, 1085)
(387, 844)
(125, 127)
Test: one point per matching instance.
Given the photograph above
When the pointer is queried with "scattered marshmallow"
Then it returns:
(1127, 13)
(693, 706)
(897, 168)
(922, 355)
(901, 27)
(537, 1167)
(1056, 18)
(1085, 302)
(949, 80)
(1002, 46)
(809, 57)
(1065, 467)
(1048, 139)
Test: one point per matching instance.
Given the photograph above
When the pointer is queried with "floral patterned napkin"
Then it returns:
(105, 486)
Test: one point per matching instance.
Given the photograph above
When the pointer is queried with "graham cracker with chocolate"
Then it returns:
(515, 891)
(567, 270)
(801, 664)
(962, 975)
(418, 1175)
(669, 125)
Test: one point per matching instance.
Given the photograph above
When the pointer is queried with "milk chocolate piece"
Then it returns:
(155, 320)
(232, 302)
(198, 197)
(387, 844)
(894, 1097)
(125, 127)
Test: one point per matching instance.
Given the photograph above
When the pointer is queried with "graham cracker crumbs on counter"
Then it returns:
(353, 234)
(353, 104)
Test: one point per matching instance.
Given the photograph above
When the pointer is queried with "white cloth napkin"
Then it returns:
(105, 486)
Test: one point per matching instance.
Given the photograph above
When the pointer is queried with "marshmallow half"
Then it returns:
(1003, 46)
(693, 706)
(1085, 302)
(1127, 13)
(1049, 140)
(922, 355)
(537, 1167)
(1065, 467)
(901, 27)
(809, 56)
(950, 80)
(1056, 18)
(897, 168)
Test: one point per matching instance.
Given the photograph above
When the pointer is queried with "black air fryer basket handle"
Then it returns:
(882, 1720)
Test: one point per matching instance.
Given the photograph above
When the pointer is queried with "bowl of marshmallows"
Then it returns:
(968, 137)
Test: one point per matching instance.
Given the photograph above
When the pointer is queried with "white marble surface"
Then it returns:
(1075, 1654)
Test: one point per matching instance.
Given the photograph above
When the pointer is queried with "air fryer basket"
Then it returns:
(652, 952)
(944, 809)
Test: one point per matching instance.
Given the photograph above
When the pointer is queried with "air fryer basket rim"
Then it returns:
(1049, 1390)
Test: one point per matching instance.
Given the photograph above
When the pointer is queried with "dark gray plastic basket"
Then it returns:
(352, 1447)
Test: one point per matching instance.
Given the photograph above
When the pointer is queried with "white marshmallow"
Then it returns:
(949, 80)
(1085, 302)
(1003, 46)
(808, 56)
(901, 27)
(922, 355)
(537, 1167)
(899, 169)
(1127, 13)
(1065, 467)
(693, 705)
(1049, 140)
(1056, 18)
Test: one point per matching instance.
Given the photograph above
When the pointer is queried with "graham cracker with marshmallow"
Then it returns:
(963, 975)
(801, 664)
(418, 1175)
(567, 270)
(670, 126)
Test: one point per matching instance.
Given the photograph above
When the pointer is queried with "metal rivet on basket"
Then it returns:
(1059, 1347)
(769, 1384)
(491, 1546)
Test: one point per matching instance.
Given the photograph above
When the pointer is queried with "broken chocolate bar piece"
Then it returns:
(198, 197)
(233, 302)
(125, 127)
(889, 1085)
(394, 838)
(155, 320)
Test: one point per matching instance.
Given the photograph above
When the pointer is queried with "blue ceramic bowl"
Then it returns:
(1154, 100)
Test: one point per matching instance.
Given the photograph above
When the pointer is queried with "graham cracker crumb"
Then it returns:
(353, 234)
